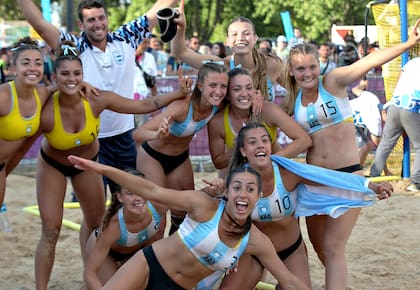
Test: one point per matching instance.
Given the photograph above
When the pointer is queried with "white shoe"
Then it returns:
(413, 187)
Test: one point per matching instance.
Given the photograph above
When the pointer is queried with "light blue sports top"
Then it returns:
(202, 239)
(276, 206)
(340, 191)
(406, 94)
(189, 127)
(328, 110)
(128, 239)
(271, 92)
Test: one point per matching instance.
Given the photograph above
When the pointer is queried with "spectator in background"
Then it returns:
(144, 63)
(205, 48)
(161, 57)
(147, 64)
(325, 62)
(219, 49)
(297, 38)
(49, 59)
(265, 46)
(4, 65)
(173, 65)
(367, 119)
(282, 50)
(403, 114)
(194, 45)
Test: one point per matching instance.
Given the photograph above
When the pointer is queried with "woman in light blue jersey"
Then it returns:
(163, 156)
(320, 105)
(213, 236)
(130, 224)
(291, 189)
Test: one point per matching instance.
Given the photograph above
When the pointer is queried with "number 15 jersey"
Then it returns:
(328, 110)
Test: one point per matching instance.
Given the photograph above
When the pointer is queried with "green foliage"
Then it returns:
(210, 18)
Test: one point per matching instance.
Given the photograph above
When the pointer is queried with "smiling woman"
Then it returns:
(66, 135)
(266, 70)
(215, 233)
(163, 156)
(21, 103)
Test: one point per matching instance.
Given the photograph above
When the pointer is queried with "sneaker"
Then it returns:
(413, 187)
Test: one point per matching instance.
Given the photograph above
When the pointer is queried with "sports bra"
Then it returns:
(278, 205)
(14, 126)
(203, 240)
(189, 127)
(328, 110)
(270, 87)
(61, 140)
(128, 239)
(230, 134)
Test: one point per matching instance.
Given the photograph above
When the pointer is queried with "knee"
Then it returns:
(50, 235)
(333, 248)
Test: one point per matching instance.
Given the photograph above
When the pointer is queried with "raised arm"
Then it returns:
(33, 15)
(346, 75)
(188, 200)
(178, 47)
(125, 105)
(160, 4)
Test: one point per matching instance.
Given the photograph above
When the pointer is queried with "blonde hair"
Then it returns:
(290, 83)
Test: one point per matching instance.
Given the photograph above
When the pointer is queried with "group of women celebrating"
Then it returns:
(241, 224)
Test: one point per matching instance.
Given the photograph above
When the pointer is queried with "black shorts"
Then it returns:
(117, 151)
(284, 254)
(66, 170)
(168, 162)
(158, 278)
(350, 169)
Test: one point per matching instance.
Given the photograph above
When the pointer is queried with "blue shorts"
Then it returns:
(117, 151)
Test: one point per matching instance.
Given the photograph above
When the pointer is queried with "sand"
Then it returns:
(383, 251)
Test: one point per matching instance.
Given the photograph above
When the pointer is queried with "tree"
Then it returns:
(210, 18)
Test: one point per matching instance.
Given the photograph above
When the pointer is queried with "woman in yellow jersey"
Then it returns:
(225, 125)
(21, 103)
(70, 125)
(320, 105)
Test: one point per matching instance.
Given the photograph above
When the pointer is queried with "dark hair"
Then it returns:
(67, 50)
(203, 72)
(115, 203)
(222, 49)
(243, 168)
(239, 169)
(237, 158)
(23, 44)
(243, 71)
(89, 4)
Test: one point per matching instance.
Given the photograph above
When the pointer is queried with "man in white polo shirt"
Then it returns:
(108, 59)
